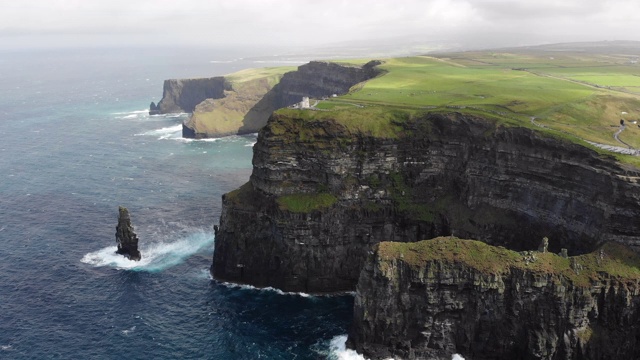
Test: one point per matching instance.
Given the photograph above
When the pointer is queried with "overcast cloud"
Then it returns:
(305, 22)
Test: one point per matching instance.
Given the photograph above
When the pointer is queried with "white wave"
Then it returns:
(251, 144)
(338, 351)
(187, 140)
(6, 347)
(155, 256)
(145, 111)
(175, 115)
(253, 288)
(164, 133)
(128, 331)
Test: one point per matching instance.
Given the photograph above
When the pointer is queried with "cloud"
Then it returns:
(311, 22)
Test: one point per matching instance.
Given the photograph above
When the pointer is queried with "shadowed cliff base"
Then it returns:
(442, 296)
(427, 175)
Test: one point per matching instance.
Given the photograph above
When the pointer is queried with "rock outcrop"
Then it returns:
(125, 236)
(241, 103)
(183, 95)
(430, 175)
(431, 299)
(319, 78)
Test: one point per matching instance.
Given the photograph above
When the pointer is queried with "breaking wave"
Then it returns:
(271, 289)
(155, 256)
(169, 132)
(338, 350)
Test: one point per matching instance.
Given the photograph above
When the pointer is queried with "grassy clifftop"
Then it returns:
(240, 106)
(611, 259)
(575, 95)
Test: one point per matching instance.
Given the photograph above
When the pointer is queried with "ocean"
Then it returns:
(76, 143)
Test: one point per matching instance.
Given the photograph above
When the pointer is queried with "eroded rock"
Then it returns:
(125, 236)
(448, 296)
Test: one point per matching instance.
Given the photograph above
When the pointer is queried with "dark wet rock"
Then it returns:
(507, 186)
(154, 109)
(126, 238)
(183, 95)
(431, 299)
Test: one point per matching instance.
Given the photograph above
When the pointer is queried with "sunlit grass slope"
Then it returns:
(583, 96)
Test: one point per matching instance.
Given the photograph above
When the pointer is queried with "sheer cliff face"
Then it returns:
(183, 95)
(443, 305)
(221, 107)
(317, 79)
(436, 175)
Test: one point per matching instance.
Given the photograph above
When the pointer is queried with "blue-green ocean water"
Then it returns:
(75, 143)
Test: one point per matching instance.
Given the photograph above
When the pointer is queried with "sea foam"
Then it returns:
(169, 132)
(155, 256)
(269, 288)
(338, 351)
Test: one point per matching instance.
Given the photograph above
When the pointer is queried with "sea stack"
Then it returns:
(126, 238)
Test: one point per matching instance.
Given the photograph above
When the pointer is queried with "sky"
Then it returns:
(242, 23)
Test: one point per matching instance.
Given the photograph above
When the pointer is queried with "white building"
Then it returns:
(304, 104)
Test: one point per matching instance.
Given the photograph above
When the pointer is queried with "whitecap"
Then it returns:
(269, 288)
(338, 350)
(164, 133)
(145, 111)
(156, 256)
(188, 140)
(251, 144)
(6, 347)
(129, 330)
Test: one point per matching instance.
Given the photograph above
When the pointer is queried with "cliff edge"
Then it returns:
(434, 298)
(242, 102)
(183, 95)
(326, 186)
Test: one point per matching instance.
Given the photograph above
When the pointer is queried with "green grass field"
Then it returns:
(617, 261)
(579, 95)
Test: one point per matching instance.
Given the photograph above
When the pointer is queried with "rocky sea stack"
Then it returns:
(126, 238)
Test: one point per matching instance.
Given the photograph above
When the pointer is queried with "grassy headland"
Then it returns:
(579, 96)
(227, 115)
(612, 259)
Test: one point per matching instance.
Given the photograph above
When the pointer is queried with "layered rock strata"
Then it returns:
(126, 237)
(183, 95)
(222, 106)
(319, 78)
(431, 299)
(432, 175)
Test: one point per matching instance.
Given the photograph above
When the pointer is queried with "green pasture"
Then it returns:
(581, 96)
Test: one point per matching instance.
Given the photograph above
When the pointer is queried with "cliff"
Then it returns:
(183, 95)
(326, 186)
(242, 102)
(318, 79)
(434, 298)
